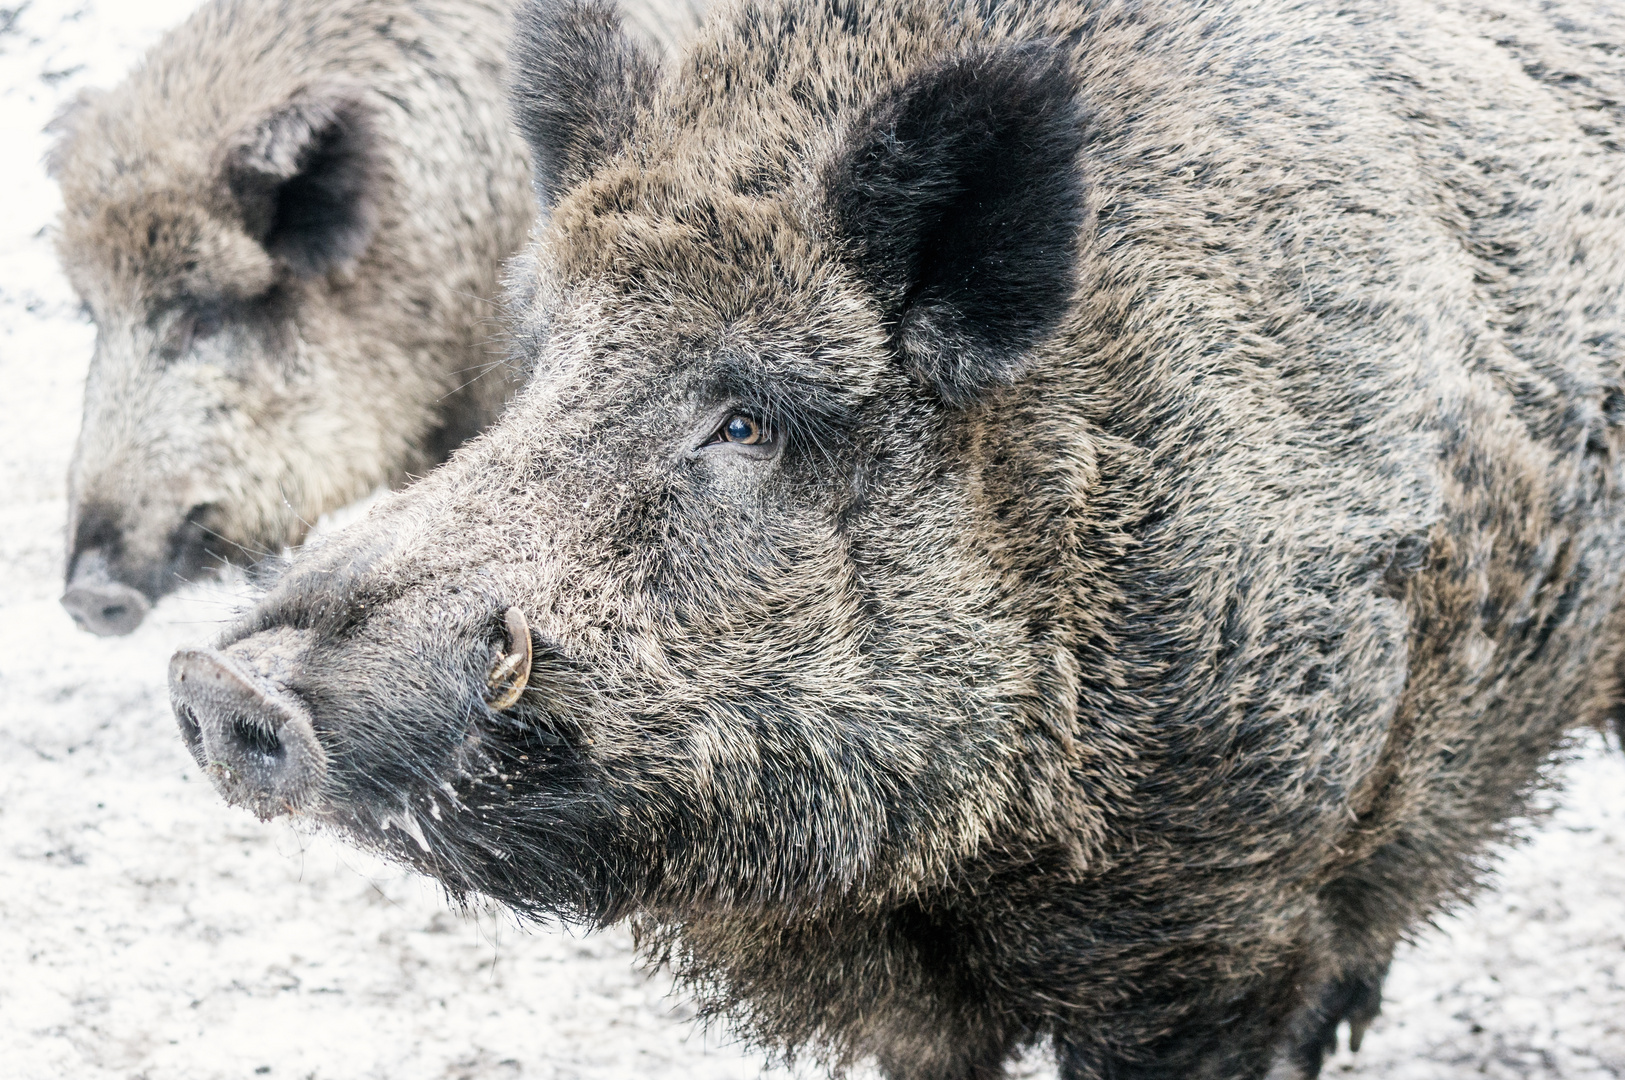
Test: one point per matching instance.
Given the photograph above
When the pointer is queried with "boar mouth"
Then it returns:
(515, 813)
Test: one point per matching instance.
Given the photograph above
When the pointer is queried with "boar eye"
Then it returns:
(191, 327)
(743, 430)
(745, 434)
(206, 324)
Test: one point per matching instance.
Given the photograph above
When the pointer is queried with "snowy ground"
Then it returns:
(148, 932)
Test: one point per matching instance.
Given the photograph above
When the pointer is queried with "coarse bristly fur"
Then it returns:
(1038, 522)
(289, 225)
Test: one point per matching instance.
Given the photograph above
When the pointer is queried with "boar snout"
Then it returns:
(254, 739)
(124, 559)
(105, 607)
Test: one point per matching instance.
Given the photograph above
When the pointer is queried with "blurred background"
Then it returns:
(148, 931)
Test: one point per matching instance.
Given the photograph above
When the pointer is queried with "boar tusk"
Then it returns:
(511, 674)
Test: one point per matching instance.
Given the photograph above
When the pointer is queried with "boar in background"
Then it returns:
(1039, 522)
(288, 225)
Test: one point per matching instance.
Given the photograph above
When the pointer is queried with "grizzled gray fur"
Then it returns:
(289, 225)
(1048, 522)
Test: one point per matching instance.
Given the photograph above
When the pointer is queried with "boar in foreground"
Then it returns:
(288, 225)
(1033, 523)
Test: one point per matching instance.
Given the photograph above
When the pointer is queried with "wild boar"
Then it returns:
(288, 225)
(1037, 523)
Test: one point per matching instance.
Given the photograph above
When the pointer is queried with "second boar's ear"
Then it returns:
(958, 196)
(65, 127)
(305, 176)
(577, 83)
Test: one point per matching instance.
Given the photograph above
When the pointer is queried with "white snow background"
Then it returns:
(148, 931)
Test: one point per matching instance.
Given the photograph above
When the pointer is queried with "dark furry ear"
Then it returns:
(305, 177)
(959, 195)
(577, 82)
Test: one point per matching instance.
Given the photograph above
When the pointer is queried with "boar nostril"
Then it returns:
(254, 739)
(191, 733)
(511, 673)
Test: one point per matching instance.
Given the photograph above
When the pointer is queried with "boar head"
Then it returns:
(284, 301)
(752, 596)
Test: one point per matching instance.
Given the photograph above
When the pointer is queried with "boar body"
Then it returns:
(288, 224)
(1032, 522)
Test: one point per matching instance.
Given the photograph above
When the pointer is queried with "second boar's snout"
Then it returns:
(97, 601)
(254, 739)
(123, 561)
(104, 607)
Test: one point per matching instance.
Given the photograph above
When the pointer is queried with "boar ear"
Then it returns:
(957, 193)
(577, 83)
(305, 176)
(64, 126)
